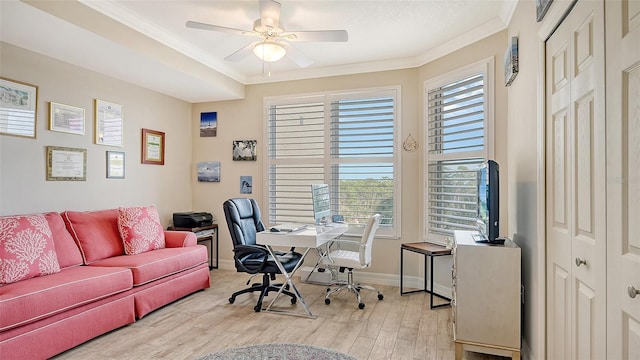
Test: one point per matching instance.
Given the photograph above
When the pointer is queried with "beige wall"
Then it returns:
(243, 119)
(23, 185)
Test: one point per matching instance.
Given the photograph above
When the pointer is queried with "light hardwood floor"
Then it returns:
(398, 327)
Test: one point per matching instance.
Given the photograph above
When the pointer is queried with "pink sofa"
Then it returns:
(98, 288)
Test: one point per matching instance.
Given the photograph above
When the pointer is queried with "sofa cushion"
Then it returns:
(26, 248)
(156, 264)
(30, 300)
(95, 232)
(66, 248)
(140, 229)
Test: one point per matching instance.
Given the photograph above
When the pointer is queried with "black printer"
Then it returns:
(192, 219)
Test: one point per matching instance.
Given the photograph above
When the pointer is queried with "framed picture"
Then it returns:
(511, 61)
(115, 165)
(209, 171)
(246, 184)
(108, 129)
(18, 108)
(66, 164)
(244, 150)
(208, 124)
(66, 118)
(152, 147)
(541, 8)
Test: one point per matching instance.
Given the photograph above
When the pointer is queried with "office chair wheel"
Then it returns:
(327, 301)
(257, 308)
(294, 300)
(232, 300)
(361, 306)
(380, 297)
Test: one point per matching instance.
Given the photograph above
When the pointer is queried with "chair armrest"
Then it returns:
(174, 239)
(240, 251)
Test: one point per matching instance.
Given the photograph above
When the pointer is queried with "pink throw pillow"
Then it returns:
(27, 249)
(140, 229)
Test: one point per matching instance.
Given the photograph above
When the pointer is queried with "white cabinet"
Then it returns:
(486, 297)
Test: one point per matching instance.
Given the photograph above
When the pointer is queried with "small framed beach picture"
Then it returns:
(208, 124)
(209, 171)
(246, 184)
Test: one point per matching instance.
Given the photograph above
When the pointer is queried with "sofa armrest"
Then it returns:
(174, 239)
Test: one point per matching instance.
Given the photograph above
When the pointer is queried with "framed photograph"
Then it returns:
(115, 165)
(246, 184)
(208, 124)
(108, 129)
(66, 164)
(209, 171)
(541, 8)
(18, 108)
(511, 61)
(244, 150)
(152, 147)
(66, 118)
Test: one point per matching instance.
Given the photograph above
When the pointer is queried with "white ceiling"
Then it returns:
(146, 42)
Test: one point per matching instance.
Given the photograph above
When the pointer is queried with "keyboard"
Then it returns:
(290, 227)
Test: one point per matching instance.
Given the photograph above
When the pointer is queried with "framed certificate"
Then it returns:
(152, 147)
(115, 165)
(66, 164)
(108, 129)
(66, 118)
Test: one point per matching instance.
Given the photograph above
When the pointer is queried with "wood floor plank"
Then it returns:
(398, 327)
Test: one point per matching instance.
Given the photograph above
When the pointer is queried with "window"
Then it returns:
(459, 121)
(346, 140)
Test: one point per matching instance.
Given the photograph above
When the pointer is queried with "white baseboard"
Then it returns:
(409, 282)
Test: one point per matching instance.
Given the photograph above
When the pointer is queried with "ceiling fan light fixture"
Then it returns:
(269, 51)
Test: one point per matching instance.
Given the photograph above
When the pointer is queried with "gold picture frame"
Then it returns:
(66, 164)
(109, 120)
(66, 118)
(152, 150)
(18, 108)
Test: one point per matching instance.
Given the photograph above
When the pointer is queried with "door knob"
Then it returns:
(580, 262)
(632, 291)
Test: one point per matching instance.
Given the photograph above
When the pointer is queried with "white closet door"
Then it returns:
(623, 178)
(576, 184)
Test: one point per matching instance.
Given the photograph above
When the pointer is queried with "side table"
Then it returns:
(203, 234)
(429, 251)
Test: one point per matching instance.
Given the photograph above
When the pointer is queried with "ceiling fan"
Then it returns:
(273, 44)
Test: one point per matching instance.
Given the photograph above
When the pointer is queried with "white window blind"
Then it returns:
(456, 148)
(344, 140)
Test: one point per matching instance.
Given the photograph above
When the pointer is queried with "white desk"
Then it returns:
(310, 238)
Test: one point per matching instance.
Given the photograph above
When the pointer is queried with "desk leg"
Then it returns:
(289, 281)
(217, 251)
(401, 268)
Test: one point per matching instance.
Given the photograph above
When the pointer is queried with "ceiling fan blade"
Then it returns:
(269, 13)
(296, 55)
(203, 26)
(320, 35)
(242, 53)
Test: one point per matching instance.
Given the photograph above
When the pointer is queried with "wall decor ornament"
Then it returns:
(66, 118)
(152, 150)
(209, 171)
(511, 61)
(109, 119)
(18, 108)
(208, 124)
(66, 164)
(244, 150)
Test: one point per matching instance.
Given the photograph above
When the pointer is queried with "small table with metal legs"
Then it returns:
(429, 251)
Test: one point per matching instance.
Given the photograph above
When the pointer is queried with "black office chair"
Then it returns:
(243, 219)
